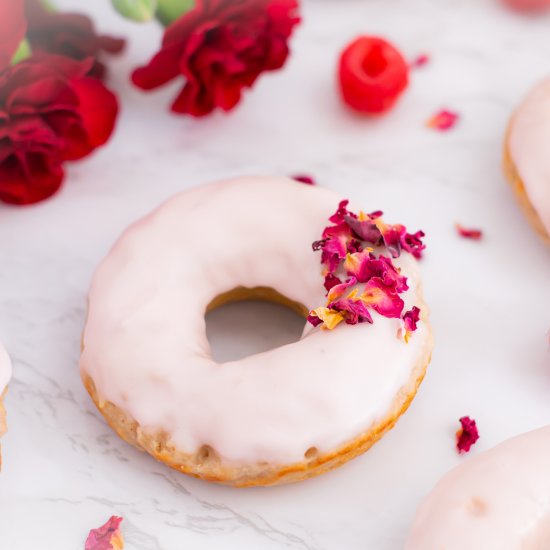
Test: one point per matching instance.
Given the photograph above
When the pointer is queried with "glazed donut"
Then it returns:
(498, 499)
(278, 416)
(526, 158)
(5, 375)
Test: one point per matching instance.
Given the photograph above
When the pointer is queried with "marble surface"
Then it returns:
(64, 471)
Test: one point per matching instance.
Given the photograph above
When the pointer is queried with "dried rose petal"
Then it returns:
(365, 230)
(331, 281)
(314, 319)
(335, 246)
(364, 266)
(467, 435)
(341, 213)
(396, 239)
(443, 120)
(338, 291)
(411, 319)
(420, 60)
(304, 178)
(327, 317)
(474, 234)
(353, 311)
(351, 246)
(382, 299)
(106, 537)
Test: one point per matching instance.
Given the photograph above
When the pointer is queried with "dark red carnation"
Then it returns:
(70, 34)
(50, 112)
(12, 29)
(220, 47)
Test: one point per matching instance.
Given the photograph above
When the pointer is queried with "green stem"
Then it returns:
(170, 10)
(23, 51)
(49, 5)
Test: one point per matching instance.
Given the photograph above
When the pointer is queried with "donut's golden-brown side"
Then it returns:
(207, 465)
(3, 424)
(515, 181)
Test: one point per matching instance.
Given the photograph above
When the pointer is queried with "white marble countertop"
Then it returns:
(65, 471)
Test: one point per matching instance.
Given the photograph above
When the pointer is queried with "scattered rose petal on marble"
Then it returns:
(467, 435)
(304, 178)
(443, 120)
(106, 537)
(420, 60)
(474, 234)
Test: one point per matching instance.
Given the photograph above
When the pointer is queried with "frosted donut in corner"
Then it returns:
(498, 499)
(5, 375)
(527, 158)
(279, 416)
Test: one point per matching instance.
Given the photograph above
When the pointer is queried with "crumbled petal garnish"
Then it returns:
(411, 318)
(304, 178)
(382, 299)
(338, 291)
(474, 234)
(353, 311)
(326, 317)
(420, 60)
(365, 265)
(467, 435)
(341, 212)
(410, 323)
(106, 537)
(443, 120)
(331, 281)
(350, 246)
(314, 319)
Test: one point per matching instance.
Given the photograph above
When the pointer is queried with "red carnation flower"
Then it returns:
(12, 29)
(220, 47)
(69, 34)
(50, 112)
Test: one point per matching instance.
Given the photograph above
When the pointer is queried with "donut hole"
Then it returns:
(311, 453)
(247, 321)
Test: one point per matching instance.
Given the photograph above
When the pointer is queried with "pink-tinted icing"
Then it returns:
(528, 144)
(498, 499)
(146, 349)
(5, 369)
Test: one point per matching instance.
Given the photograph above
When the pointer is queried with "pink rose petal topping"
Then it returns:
(467, 435)
(359, 277)
(304, 178)
(420, 60)
(443, 121)
(474, 234)
(106, 537)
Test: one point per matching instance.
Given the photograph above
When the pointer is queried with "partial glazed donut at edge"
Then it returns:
(212, 458)
(5, 375)
(526, 161)
(497, 499)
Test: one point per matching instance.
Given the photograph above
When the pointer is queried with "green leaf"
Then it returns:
(137, 10)
(23, 51)
(170, 10)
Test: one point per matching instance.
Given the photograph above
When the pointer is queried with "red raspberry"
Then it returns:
(372, 74)
(528, 5)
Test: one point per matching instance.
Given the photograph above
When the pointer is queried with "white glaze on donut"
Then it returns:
(499, 499)
(5, 369)
(146, 349)
(529, 144)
